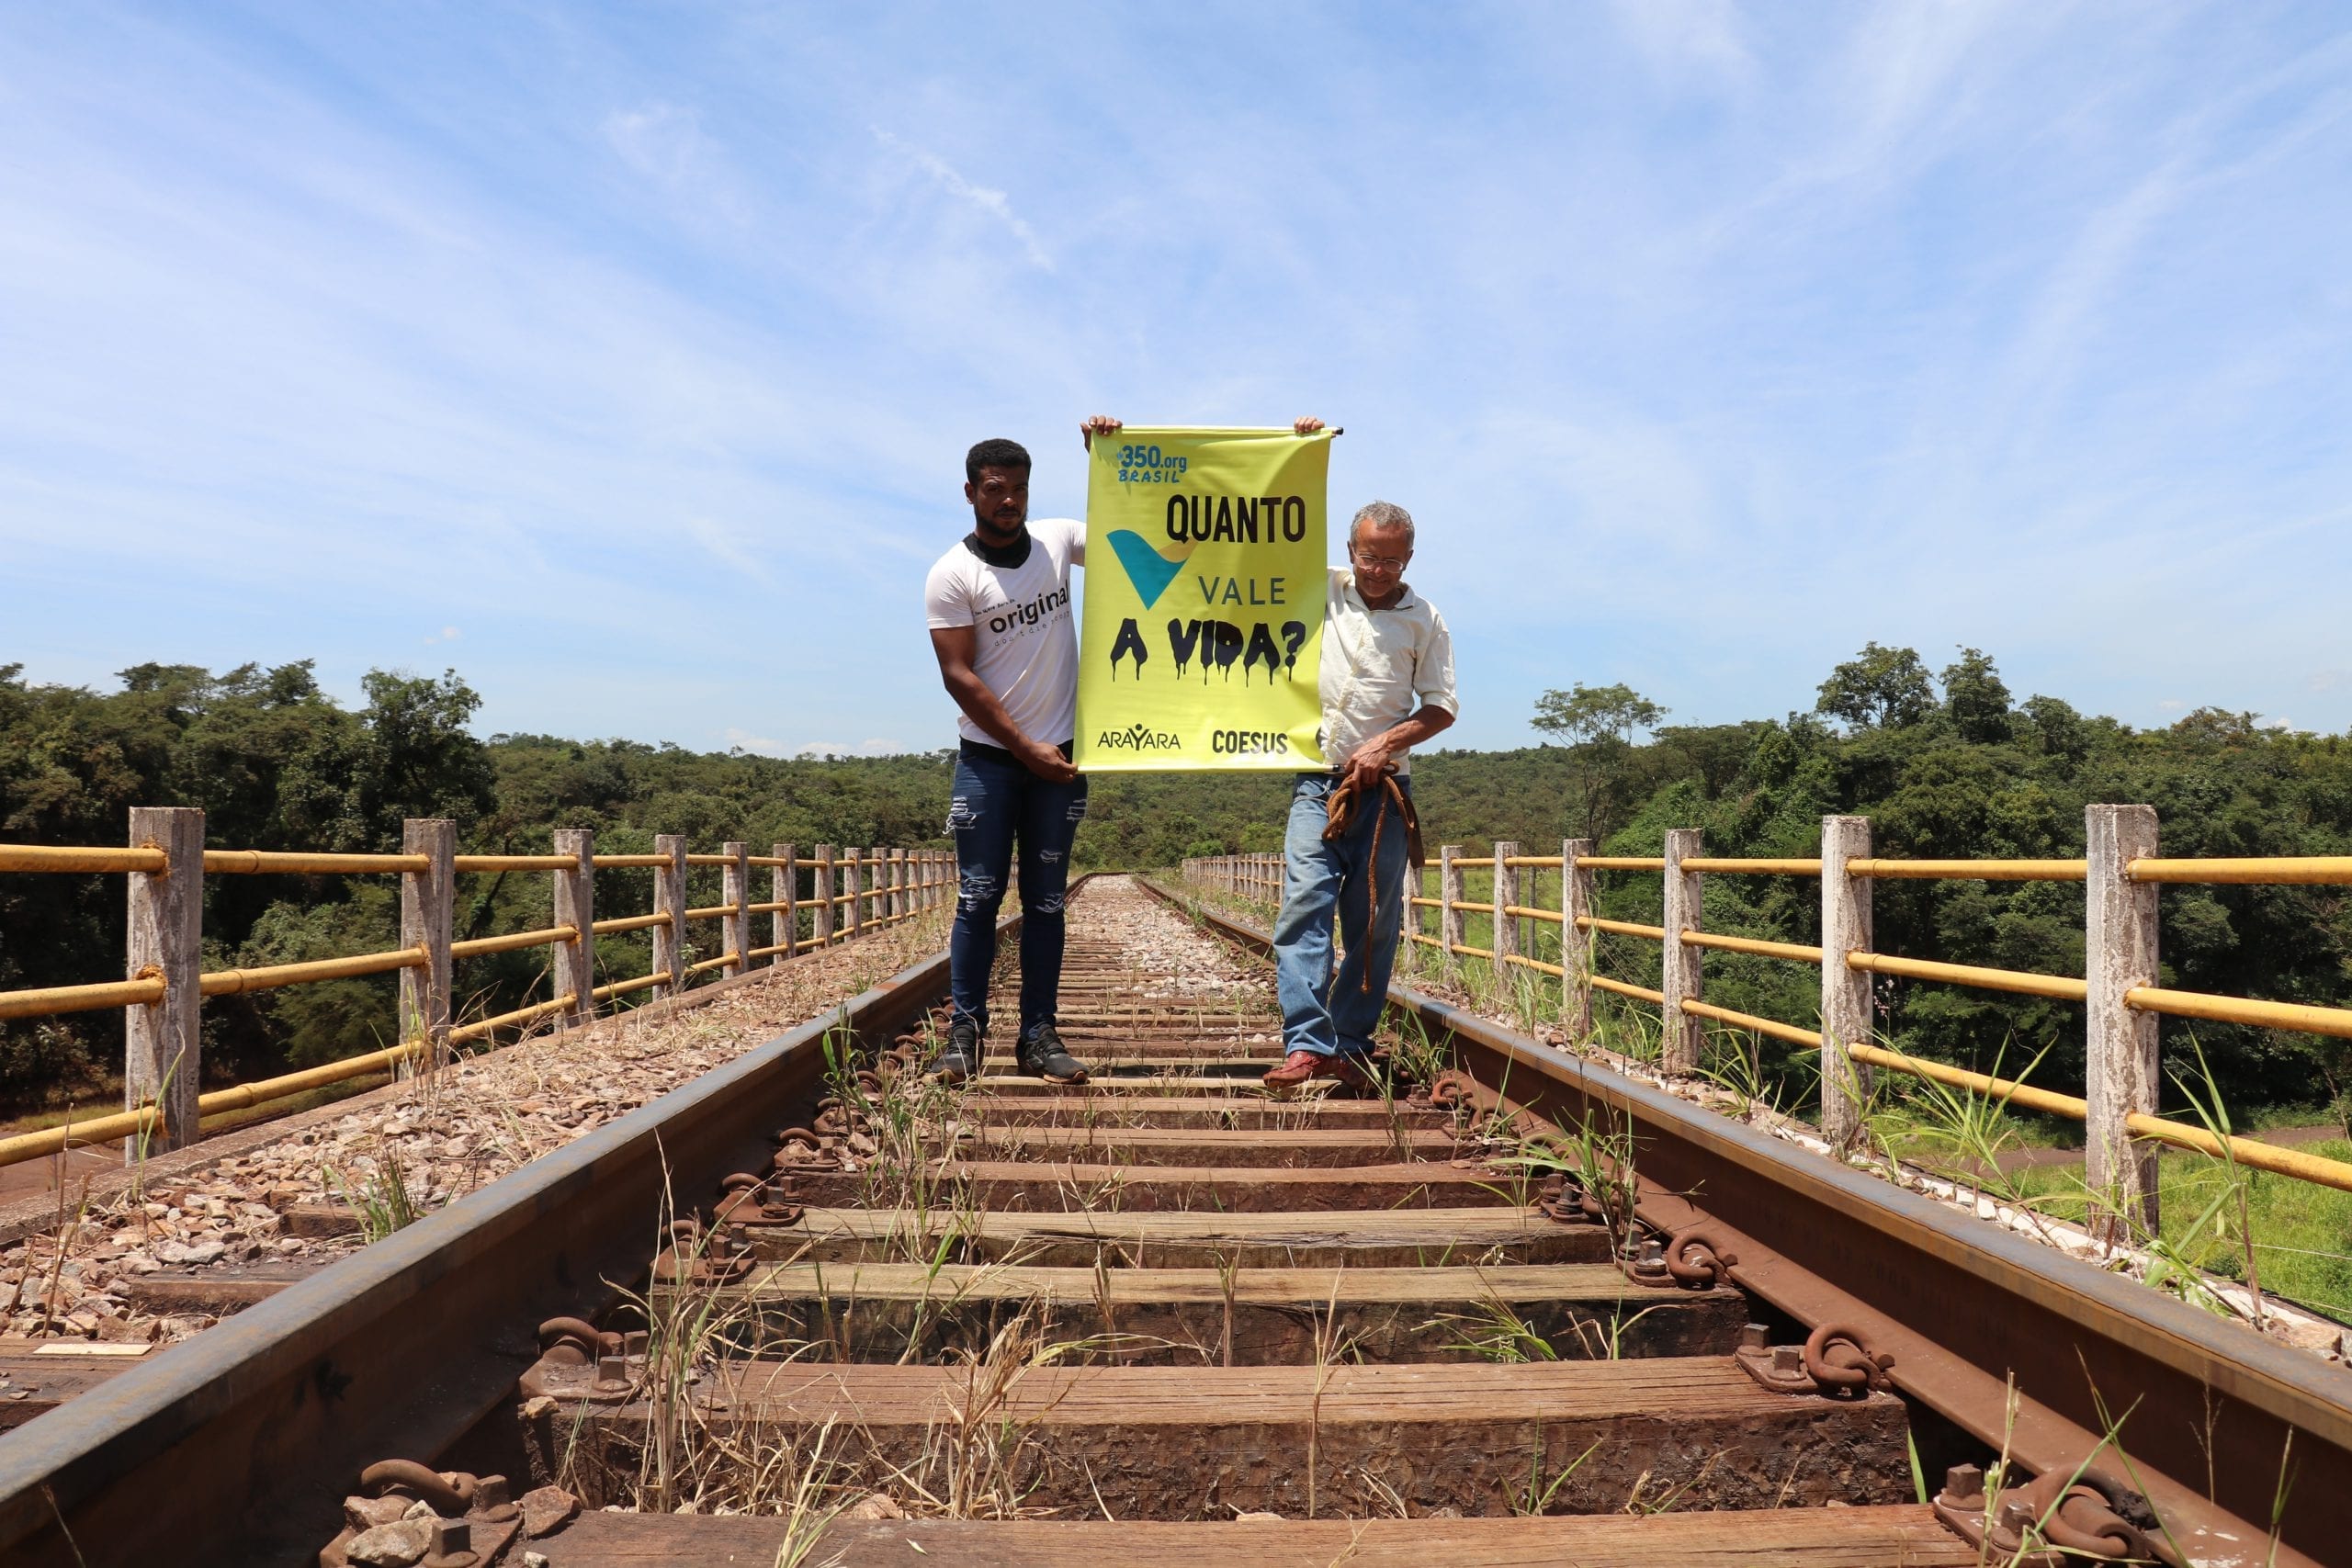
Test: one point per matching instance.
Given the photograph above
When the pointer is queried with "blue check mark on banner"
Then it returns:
(1150, 571)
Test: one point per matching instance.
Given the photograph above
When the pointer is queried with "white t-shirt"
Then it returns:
(1025, 644)
(1379, 666)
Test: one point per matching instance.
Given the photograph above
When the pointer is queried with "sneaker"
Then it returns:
(1042, 1056)
(955, 1064)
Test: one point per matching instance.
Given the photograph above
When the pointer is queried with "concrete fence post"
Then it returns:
(1504, 936)
(1680, 972)
(1576, 943)
(2123, 1069)
(783, 887)
(428, 905)
(736, 883)
(853, 890)
(821, 907)
(1449, 908)
(575, 905)
(902, 902)
(164, 1040)
(670, 899)
(1845, 1019)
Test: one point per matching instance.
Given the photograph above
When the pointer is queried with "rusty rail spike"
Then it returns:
(744, 1192)
(581, 1339)
(450, 1493)
(1837, 1359)
(2059, 1520)
(1695, 1263)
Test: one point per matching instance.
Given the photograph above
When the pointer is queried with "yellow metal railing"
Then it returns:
(890, 886)
(1580, 979)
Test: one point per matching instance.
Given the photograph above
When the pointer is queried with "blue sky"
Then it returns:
(622, 357)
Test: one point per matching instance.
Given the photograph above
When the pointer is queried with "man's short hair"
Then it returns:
(1382, 514)
(994, 453)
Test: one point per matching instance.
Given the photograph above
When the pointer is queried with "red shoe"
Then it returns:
(1296, 1069)
(1306, 1066)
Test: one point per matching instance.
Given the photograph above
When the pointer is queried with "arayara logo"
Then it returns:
(1138, 737)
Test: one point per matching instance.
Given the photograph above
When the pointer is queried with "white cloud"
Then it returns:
(447, 634)
(2172, 705)
(667, 145)
(723, 543)
(843, 749)
(1682, 38)
(994, 202)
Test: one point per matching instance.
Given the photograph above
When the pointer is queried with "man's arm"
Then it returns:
(1372, 757)
(954, 645)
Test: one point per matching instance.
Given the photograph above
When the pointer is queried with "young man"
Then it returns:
(1387, 684)
(999, 608)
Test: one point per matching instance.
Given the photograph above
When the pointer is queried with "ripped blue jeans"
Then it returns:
(997, 800)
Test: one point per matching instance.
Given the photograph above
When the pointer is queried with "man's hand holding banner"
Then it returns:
(1204, 590)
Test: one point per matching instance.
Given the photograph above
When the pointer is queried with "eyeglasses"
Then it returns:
(1377, 563)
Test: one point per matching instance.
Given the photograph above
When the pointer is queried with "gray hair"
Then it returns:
(1382, 514)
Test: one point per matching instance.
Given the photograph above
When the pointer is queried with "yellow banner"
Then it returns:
(1205, 581)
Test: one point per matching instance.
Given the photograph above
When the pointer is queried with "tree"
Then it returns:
(1587, 716)
(1977, 698)
(427, 762)
(1881, 688)
(1598, 723)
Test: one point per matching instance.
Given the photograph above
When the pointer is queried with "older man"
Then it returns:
(1387, 685)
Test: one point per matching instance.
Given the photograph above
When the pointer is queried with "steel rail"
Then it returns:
(2016, 1342)
(236, 1445)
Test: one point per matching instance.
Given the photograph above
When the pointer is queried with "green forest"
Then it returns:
(1945, 763)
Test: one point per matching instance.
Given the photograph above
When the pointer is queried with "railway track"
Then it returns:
(1529, 1312)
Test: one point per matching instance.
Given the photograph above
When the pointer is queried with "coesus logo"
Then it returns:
(1249, 742)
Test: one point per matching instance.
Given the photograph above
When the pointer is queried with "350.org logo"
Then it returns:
(1138, 737)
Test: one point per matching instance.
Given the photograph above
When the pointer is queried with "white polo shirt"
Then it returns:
(1379, 666)
(1024, 640)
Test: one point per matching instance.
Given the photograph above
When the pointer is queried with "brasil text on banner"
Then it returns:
(1205, 582)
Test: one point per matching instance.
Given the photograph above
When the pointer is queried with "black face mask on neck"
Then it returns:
(1007, 557)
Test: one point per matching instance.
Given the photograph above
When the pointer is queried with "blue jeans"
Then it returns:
(1320, 1014)
(996, 801)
